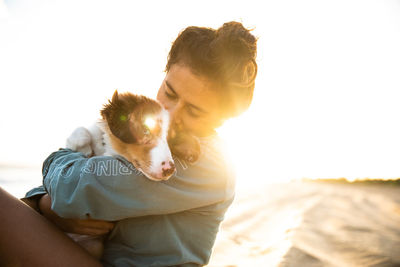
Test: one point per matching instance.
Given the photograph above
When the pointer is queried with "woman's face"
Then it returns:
(191, 101)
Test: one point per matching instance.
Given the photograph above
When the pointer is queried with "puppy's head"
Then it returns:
(138, 128)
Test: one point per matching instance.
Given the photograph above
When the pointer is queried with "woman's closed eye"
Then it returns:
(192, 112)
(170, 96)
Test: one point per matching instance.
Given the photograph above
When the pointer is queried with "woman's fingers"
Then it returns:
(91, 231)
(99, 224)
(85, 227)
(88, 226)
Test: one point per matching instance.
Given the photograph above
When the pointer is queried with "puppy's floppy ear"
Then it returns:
(184, 146)
(116, 113)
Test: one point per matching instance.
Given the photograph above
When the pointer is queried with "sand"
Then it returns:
(311, 224)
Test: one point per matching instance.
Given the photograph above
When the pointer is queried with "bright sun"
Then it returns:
(244, 148)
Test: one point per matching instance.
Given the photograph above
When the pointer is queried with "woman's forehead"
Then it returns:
(192, 88)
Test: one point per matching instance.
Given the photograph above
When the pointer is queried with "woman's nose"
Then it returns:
(175, 115)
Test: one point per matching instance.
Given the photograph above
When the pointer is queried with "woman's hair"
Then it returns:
(225, 56)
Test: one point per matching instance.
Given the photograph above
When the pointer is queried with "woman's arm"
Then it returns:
(109, 188)
(76, 226)
(28, 239)
(40, 201)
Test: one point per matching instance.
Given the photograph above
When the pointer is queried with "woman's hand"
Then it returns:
(77, 226)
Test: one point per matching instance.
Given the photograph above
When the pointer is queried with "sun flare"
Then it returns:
(150, 122)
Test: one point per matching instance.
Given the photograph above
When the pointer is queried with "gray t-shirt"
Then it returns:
(166, 223)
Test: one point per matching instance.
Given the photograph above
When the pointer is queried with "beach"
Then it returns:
(292, 224)
(311, 224)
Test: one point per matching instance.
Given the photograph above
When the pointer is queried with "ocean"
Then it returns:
(17, 180)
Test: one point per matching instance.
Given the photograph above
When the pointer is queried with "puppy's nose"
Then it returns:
(168, 168)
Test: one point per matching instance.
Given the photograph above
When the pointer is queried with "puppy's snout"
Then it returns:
(168, 168)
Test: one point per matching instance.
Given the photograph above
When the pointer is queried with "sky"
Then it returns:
(326, 102)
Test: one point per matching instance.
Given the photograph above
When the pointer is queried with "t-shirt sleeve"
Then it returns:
(37, 191)
(110, 188)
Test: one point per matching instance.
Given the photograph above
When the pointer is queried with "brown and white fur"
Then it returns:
(123, 131)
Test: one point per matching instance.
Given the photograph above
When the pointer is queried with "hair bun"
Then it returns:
(233, 38)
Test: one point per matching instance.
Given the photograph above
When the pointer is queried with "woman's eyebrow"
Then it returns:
(187, 103)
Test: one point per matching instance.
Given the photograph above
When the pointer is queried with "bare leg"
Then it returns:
(28, 239)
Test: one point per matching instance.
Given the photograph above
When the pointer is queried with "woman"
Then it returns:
(209, 78)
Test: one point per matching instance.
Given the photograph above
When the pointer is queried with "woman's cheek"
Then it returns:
(193, 125)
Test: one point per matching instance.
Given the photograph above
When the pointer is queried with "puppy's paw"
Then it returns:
(80, 141)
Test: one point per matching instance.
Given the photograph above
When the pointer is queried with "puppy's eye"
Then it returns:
(146, 130)
(148, 125)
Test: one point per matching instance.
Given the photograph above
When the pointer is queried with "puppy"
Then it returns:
(135, 127)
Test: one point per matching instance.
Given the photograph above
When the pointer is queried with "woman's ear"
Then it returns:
(117, 114)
